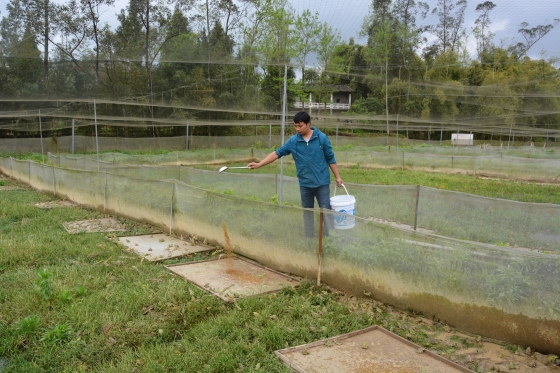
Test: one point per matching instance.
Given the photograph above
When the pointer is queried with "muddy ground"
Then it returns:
(474, 352)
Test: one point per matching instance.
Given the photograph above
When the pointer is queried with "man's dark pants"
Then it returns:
(308, 196)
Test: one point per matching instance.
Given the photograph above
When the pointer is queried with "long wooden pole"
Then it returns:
(320, 251)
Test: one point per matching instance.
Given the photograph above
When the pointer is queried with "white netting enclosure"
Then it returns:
(396, 84)
(457, 271)
(451, 214)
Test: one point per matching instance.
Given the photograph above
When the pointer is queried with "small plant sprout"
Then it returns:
(81, 291)
(65, 296)
(45, 284)
(58, 334)
(28, 325)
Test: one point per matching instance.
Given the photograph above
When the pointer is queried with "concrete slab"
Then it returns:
(232, 278)
(94, 225)
(370, 350)
(156, 247)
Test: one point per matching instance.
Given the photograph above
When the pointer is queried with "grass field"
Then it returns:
(81, 303)
(494, 188)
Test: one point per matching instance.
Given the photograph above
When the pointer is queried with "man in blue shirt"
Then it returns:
(313, 156)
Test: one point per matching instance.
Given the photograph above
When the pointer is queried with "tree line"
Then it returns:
(225, 59)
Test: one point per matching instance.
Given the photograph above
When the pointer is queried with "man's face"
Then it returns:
(302, 128)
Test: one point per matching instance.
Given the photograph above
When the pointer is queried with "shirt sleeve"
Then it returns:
(285, 149)
(327, 149)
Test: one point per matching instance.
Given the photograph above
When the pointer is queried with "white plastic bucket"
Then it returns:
(345, 205)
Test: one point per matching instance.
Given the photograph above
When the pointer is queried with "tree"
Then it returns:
(70, 27)
(327, 42)
(451, 15)
(531, 36)
(268, 40)
(24, 64)
(307, 27)
(481, 31)
(381, 43)
(38, 13)
(347, 67)
(90, 11)
(12, 26)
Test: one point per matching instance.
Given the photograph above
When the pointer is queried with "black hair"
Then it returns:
(302, 116)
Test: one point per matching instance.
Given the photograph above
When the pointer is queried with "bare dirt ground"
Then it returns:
(477, 353)
(55, 204)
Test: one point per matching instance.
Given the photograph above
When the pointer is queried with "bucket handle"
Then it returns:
(344, 189)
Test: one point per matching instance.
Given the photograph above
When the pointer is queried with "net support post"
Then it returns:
(72, 136)
(320, 248)
(105, 193)
(417, 203)
(12, 166)
(429, 137)
(41, 137)
(171, 209)
(53, 181)
(283, 128)
(336, 136)
(187, 140)
(96, 136)
(397, 133)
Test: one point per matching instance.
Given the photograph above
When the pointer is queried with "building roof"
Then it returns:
(333, 87)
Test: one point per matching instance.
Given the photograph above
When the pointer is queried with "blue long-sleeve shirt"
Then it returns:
(312, 158)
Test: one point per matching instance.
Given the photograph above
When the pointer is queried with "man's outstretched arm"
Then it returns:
(268, 159)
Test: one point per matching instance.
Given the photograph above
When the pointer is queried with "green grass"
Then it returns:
(80, 303)
(504, 189)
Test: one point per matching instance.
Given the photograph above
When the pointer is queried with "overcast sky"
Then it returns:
(347, 16)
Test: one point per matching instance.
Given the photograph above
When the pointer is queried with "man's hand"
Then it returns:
(268, 159)
(339, 182)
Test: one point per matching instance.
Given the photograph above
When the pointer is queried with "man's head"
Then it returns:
(302, 116)
(302, 123)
